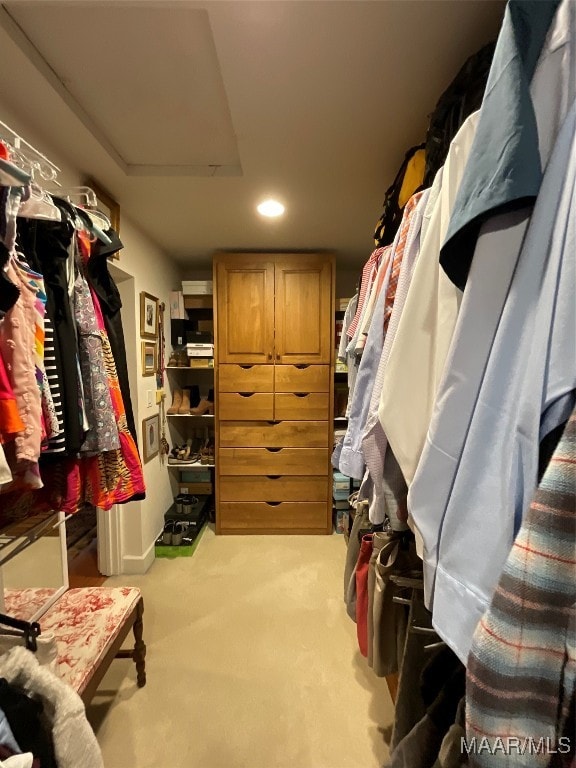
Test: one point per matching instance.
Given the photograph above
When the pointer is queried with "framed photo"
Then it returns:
(150, 437)
(149, 358)
(148, 316)
(108, 206)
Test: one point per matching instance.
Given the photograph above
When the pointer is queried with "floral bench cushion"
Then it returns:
(85, 623)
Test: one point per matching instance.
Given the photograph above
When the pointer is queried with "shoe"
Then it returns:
(173, 361)
(207, 452)
(184, 407)
(176, 402)
(180, 528)
(205, 406)
(184, 454)
(167, 532)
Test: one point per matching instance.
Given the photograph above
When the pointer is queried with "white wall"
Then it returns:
(142, 267)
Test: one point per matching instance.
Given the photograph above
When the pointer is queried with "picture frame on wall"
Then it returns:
(150, 437)
(148, 316)
(149, 358)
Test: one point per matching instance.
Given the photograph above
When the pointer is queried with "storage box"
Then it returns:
(200, 350)
(339, 495)
(177, 311)
(195, 488)
(196, 476)
(201, 362)
(196, 287)
(342, 521)
(207, 326)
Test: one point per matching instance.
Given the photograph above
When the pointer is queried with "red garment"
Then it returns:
(112, 477)
(362, 567)
(10, 420)
(411, 206)
(368, 275)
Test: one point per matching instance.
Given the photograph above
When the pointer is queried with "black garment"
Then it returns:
(443, 686)
(410, 707)
(391, 218)
(8, 291)
(462, 97)
(25, 716)
(45, 244)
(107, 291)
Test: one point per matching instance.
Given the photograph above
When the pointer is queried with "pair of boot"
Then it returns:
(187, 401)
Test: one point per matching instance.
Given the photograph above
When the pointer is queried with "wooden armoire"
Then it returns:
(274, 337)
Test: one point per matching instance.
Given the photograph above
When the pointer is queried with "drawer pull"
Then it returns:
(273, 423)
(301, 394)
(246, 367)
(301, 366)
(273, 503)
(274, 450)
(273, 477)
(245, 394)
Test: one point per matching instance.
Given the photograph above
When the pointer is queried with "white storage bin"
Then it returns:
(196, 287)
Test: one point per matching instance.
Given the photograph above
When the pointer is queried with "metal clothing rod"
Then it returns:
(17, 139)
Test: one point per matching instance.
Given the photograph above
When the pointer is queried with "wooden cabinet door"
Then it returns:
(245, 308)
(303, 309)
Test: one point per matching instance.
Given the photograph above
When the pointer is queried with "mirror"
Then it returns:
(34, 578)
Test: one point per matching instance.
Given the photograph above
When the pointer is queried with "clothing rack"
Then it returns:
(13, 138)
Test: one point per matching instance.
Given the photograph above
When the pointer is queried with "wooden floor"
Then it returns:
(83, 568)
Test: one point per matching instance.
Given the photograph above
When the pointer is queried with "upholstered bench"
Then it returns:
(90, 625)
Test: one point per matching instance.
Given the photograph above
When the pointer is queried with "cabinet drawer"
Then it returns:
(279, 461)
(233, 406)
(301, 406)
(286, 516)
(302, 378)
(280, 434)
(246, 378)
(275, 488)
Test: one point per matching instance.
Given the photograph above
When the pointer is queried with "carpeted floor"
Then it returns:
(252, 663)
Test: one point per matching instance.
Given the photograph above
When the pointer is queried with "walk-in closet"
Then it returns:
(288, 384)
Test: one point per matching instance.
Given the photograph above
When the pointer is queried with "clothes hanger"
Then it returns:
(88, 224)
(39, 206)
(85, 201)
(26, 629)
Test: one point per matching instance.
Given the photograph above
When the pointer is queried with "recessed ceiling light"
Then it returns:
(270, 208)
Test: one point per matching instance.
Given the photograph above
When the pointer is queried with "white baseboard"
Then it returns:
(133, 565)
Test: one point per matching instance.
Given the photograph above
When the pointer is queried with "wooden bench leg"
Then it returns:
(139, 646)
(138, 654)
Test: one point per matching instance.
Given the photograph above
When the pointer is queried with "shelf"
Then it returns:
(188, 464)
(190, 415)
(189, 368)
(340, 418)
(198, 301)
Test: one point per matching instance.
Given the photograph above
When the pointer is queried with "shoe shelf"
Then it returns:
(190, 415)
(195, 368)
(188, 464)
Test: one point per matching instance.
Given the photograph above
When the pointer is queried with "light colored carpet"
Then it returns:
(252, 663)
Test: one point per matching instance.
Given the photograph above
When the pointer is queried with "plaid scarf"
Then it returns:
(522, 666)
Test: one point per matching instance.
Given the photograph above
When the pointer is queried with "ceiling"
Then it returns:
(190, 113)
